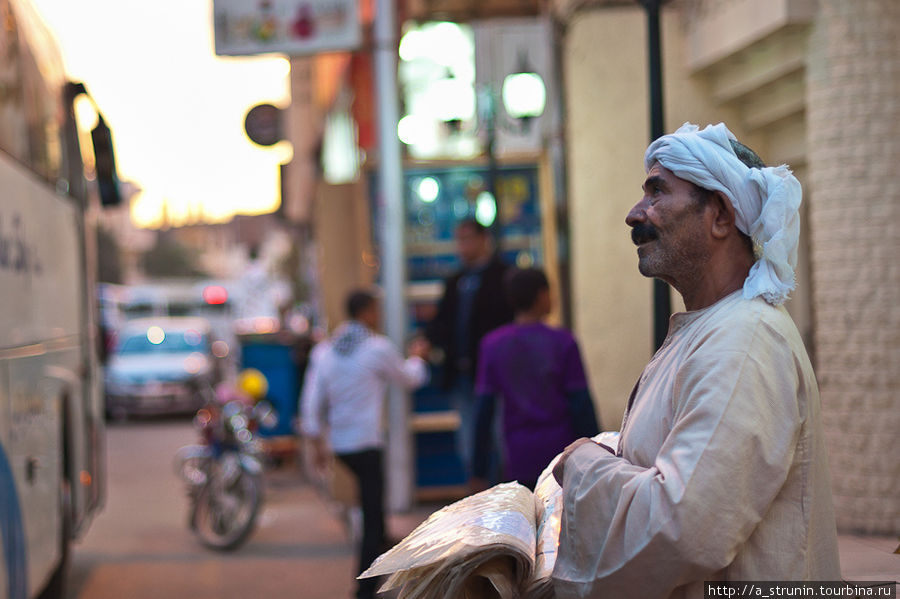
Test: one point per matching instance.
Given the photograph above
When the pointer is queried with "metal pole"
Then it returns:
(654, 61)
(393, 261)
(662, 304)
(561, 189)
(491, 126)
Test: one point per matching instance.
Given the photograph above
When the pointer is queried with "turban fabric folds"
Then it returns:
(766, 201)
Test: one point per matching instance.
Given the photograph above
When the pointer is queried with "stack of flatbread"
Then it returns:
(548, 514)
(497, 544)
(480, 547)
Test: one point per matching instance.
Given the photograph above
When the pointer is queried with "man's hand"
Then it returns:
(419, 347)
(321, 456)
(559, 469)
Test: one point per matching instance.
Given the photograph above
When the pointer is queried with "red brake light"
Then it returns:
(215, 295)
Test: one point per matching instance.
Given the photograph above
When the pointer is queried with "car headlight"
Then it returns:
(196, 364)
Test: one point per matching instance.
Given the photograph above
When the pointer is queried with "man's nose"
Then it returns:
(637, 214)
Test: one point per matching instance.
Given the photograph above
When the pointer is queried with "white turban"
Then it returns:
(766, 201)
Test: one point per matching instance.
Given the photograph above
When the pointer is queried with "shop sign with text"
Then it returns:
(292, 27)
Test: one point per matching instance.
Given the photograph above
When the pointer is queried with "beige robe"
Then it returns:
(723, 473)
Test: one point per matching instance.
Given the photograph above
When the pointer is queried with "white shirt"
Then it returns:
(347, 392)
(723, 474)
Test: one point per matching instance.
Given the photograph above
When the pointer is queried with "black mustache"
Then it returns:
(643, 232)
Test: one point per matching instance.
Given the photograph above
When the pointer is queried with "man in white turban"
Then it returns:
(721, 472)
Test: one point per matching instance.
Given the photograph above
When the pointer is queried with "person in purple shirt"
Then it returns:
(537, 373)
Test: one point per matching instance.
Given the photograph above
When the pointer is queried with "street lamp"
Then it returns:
(441, 90)
(524, 99)
(524, 94)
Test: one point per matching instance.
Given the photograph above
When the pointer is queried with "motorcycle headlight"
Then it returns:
(238, 422)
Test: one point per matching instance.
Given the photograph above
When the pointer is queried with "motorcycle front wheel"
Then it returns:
(225, 511)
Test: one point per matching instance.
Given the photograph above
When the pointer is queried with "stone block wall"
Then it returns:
(853, 111)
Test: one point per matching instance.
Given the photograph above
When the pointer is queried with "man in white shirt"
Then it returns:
(721, 472)
(347, 384)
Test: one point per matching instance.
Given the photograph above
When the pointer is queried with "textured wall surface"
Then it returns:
(606, 132)
(853, 114)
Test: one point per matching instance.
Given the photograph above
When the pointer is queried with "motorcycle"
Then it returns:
(224, 472)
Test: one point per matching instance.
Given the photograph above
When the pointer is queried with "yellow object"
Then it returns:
(253, 383)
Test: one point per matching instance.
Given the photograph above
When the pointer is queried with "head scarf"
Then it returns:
(350, 336)
(766, 201)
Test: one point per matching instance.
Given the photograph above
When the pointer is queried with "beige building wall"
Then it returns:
(342, 229)
(854, 146)
(607, 128)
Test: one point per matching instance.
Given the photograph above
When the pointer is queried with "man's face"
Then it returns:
(667, 225)
(471, 245)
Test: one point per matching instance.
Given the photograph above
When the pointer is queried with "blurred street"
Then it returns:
(140, 546)
(195, 193)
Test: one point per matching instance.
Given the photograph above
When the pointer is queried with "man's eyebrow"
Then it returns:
(654, 180)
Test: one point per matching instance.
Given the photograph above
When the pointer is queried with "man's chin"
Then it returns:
(645, 266)
(643, 252)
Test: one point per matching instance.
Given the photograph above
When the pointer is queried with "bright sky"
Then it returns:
(176, 110)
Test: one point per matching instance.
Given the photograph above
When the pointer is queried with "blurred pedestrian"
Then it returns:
(721, 472)
(473, 304)
(347, 391)
(537, 373)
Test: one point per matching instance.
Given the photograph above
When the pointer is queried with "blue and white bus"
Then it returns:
(51, 411)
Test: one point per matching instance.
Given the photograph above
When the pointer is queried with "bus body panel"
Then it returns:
(50, 410)
(39, 259)
(34, 450)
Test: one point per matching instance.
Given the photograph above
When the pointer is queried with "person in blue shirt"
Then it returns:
(472, 305)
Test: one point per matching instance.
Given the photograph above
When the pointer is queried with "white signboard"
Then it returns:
(292, 27)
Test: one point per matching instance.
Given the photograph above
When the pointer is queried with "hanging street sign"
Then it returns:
(292, 27)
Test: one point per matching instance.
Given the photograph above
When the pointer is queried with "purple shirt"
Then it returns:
(532, 367)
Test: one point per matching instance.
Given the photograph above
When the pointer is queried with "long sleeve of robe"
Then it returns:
(722, 471)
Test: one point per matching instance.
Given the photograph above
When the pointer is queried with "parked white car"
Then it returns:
(157, 365)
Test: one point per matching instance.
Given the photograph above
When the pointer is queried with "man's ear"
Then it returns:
(723, 215)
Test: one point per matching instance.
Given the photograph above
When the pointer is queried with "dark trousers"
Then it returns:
(366, 466)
